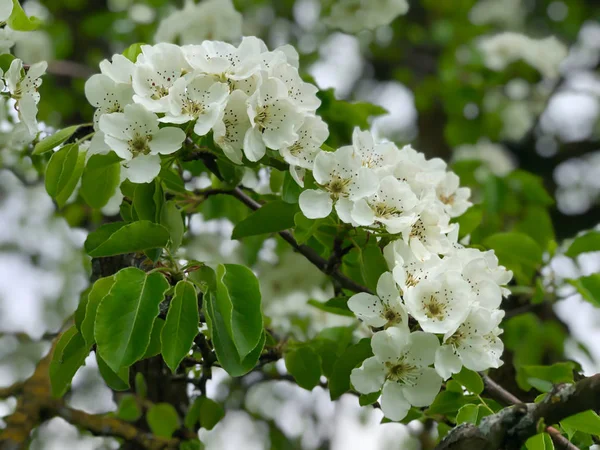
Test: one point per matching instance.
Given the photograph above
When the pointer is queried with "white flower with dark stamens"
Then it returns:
(134, 135)
(382, 310)
(200, 99)
(23, 87)
(230, 129)
(120, 69)
(475, 344)
(422, 174)
(381, 157)
(454, 198)
(440, 304)
(107, 95)
(401, 366)
(392, 206)
(408, 270)
(342, 180)
(274, 118)
(157, 69)
(311, 135)
(304, 95)
(427, 235)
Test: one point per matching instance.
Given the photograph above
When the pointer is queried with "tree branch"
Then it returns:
(12, 390)
(511, 427)
(310, 254)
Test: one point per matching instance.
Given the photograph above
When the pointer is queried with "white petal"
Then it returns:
(362, 213)
(393, 403)
(315, 204)
(343, 207)
(254, 147)
(6, 7)
(446, 362)
(421, 348)
(369, 376)
(167, 140)
(389, 344)
(426, 388)
(142, 168)
(368, 308)
(206, 121)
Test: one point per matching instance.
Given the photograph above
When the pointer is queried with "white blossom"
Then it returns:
(230, 129)
(382, 310)
(352, 16)
(427, 235)
(107, 95)
(311, 136)
(440, 304)
(6, 7)
(120, 69)
(407, 269)
(342, 179)
(198, 98)
(134, 135)
(454, 198)
(23, 87)
(401, 365)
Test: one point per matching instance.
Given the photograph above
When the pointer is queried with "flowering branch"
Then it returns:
(511, 427)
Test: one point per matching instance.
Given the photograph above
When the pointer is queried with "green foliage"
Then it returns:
(132, 52)
(118, 237)
(181, 325)
(518, 252)
(69, 355)
(117, 381)
(129, 409)
(470, 380)
(335, 305)
(100, 179)
(155, 346)
(586, 422)
(353, 356)
(472, 414)
(373, 264)
(99, 290)
(163, 419)
(171, 219)
(588, 242)
(205, 412)
(304, 364)
(589, 288)
(544, 377)
(63, 172)
(54, 140)
(125, 316)
(270, 218)
(19, 21)
(540, 441)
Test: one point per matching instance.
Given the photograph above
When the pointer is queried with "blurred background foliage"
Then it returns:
(528, 145)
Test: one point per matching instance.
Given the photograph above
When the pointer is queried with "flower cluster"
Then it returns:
(353, 16)
(450, 294)
(196, 22)
(250, 98)
(23, 88)
(544, 55)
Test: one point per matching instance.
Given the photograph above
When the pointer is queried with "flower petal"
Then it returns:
(369, 376)
(426, 388)
(315, 204)
(393, 403)
(167, 140)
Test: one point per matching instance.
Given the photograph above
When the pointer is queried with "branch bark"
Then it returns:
(511, 427)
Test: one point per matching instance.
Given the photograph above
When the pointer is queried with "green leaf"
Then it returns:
(143, 201)
(225, 349)
(140, 385)
(470, 380)
(336, 305)
(61, 171)
(163, 419)
(518, 252)
(118, 237)
(589, 288)
(368, 399)
(19, 21)
(586, 422)
(170, 218)
(99, 290)
(373, 264)
(117, 381)
(100, 179)
(63, 197)
(537, 223)
(79, 315)
(5, 61)
(530, 186)
(353, 356)
(305, 227)
(125, 316)
(205, 411)
(469, 221)
(290, 191)
(447, 402)
(129, 410)
(540, 441)
(588, 242)
(154, 347)
(132, 52)
(544, 377)
(181, 325)
(69, 355)
(270, 218)
(468, 414)
(239, 299)
(54, 140)
(304, 364)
